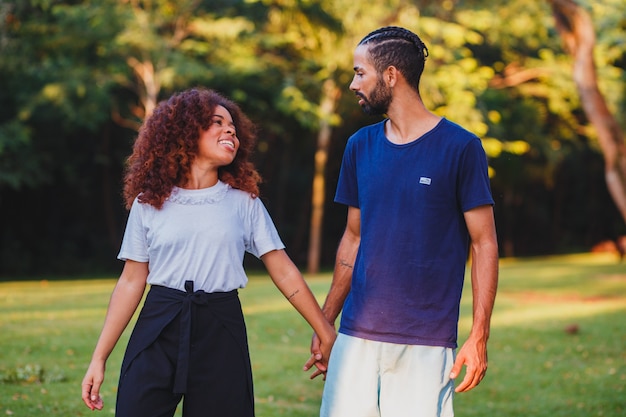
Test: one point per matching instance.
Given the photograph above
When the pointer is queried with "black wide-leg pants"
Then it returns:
(190, 346)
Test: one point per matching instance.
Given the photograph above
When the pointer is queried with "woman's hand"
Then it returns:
(320, 354)
(91, 385)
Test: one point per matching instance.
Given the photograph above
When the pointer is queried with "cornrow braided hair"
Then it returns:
(398, 47)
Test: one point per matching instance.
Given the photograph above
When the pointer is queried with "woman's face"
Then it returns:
(218, 144)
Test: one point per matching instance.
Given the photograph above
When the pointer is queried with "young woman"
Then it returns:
(192, 194)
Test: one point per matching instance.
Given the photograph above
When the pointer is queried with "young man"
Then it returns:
(419, 200)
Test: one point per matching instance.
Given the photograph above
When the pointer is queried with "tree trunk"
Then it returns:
(576, 29)
(330, 96)
(148, 87)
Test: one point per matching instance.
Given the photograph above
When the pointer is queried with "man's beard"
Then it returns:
(379, 100)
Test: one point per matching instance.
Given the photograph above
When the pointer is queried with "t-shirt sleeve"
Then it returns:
(347, 190)
(263, 236)
(474, 184)
(134, 244)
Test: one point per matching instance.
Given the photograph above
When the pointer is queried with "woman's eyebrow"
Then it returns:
(232, 124)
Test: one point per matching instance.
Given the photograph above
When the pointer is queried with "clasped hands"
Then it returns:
(320, 353)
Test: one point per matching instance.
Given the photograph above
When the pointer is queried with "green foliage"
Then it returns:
(18, 165)
(77, 78)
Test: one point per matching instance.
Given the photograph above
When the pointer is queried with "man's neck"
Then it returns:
(408, 121)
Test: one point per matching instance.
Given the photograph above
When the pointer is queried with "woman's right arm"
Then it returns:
(124, 300)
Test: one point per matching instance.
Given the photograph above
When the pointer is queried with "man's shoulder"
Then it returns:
(371, 129)
(451, 128)
(367, 135)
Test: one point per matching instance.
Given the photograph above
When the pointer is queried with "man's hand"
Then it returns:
(473, 354)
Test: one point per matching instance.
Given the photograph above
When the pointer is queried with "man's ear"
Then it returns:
(390, 76)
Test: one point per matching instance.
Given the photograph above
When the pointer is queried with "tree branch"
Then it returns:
(577, 32)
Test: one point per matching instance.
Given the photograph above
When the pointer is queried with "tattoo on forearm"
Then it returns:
(344, 263)
(293, 294)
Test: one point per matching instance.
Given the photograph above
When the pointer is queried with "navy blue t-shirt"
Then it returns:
(408, 276)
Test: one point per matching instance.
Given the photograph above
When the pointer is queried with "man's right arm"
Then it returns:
(342, 278)
(344, 265)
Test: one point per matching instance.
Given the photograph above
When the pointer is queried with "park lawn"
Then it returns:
(557, 348)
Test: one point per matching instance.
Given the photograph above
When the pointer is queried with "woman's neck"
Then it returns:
(199, 179)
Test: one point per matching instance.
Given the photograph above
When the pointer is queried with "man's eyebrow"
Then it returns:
(356, 68)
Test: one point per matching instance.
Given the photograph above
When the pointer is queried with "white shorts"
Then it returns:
(375, 379)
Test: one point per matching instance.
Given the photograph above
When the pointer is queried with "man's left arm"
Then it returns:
(484, 274)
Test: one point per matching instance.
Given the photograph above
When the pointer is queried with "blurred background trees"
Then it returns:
(78, 77)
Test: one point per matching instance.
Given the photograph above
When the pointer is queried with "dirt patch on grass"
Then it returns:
(545, 298)
(612, 277)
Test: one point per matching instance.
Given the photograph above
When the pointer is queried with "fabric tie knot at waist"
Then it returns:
(189, 298)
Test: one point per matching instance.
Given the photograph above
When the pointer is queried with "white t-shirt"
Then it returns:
(199, 235)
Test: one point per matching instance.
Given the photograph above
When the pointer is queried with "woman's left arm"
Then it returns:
(292, 285)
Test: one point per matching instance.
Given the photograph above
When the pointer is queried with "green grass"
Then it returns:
(537, 368)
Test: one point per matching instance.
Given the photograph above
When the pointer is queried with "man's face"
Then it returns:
(374, 95)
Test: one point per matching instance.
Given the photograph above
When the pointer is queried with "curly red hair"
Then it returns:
(168, 143)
